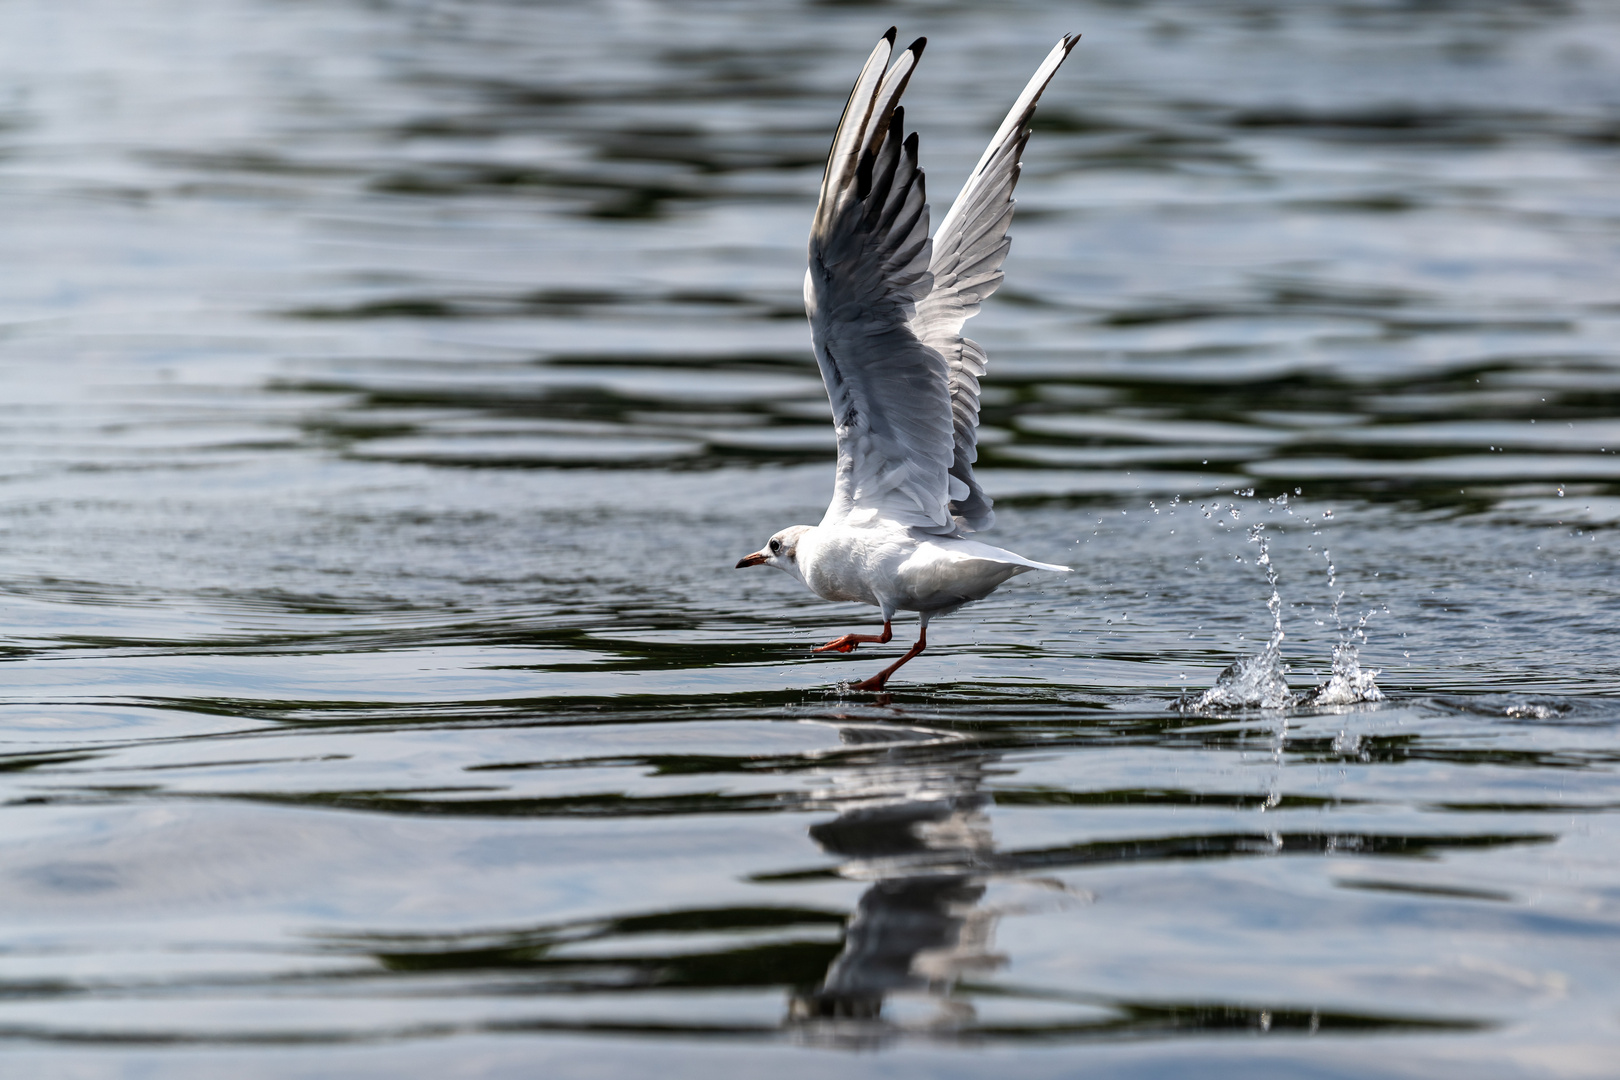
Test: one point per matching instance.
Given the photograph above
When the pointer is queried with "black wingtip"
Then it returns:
(916, 47)
(894, 32)
(1070, 41)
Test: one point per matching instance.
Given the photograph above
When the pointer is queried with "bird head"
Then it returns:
(781, 551)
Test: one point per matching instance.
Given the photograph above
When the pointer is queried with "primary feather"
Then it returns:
(887, 305)
(969, 249)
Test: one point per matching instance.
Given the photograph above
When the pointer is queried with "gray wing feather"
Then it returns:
(869, 257)
(968, 252)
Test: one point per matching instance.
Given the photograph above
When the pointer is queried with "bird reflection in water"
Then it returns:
(913, 820)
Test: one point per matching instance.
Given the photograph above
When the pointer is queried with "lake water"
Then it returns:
(390, 388)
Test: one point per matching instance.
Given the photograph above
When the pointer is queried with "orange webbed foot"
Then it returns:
(877, 681)
(848, 642)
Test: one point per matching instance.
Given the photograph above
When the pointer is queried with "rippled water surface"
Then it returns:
(389, 389)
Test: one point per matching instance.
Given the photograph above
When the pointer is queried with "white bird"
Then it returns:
(886, 308)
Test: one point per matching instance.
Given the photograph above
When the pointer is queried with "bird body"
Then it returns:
(895, 568)
(886, 306)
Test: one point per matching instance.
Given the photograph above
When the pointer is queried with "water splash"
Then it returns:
(1261, 681)
(1252, 682)
(1348, 682)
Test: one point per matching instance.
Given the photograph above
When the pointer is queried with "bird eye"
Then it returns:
(776, 545)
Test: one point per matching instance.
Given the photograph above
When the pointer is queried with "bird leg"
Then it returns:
(876, 682)
(848, 642)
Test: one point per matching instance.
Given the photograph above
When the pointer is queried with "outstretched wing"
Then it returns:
(869, 255)
(969, 249)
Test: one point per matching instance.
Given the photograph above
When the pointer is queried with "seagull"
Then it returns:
(886, 307)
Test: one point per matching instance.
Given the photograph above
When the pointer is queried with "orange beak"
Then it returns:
(752, 560)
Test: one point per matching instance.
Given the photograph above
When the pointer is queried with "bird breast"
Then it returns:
(841, 563)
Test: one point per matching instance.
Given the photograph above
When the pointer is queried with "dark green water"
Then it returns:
(389, 389)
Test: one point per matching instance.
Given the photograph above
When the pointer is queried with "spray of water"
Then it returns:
(1348, 682)
(1261, 681)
